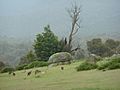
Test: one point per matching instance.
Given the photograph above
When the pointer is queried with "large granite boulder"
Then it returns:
(60, 57)
(93, 58)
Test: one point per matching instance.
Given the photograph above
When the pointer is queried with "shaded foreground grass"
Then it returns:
(93, 89)
(68, 79)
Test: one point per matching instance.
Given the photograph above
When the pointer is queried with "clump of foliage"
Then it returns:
(114, 64)
(109, 64)
(86, 66)
(103, 49)
(21, 67)
(7, 69)
(106, 64)
(102, 64)
(36, 64)
(26, 60)
(46, 44)
(32, 65)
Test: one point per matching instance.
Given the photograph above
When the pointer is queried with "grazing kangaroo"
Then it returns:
(29, 73)
(14, 74)
(37, 71)
(62, 68)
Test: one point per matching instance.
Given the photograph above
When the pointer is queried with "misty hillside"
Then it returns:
(24, 19)
(104, 36)
(11, 50)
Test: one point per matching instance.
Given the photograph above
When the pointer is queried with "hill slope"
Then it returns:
(11, 49)
(56, 79)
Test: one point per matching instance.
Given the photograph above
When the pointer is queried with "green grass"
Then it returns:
(68, 79)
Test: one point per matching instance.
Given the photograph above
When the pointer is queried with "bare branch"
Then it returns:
(78, 25)
(74, 14)
(75, 49)
(75, 31)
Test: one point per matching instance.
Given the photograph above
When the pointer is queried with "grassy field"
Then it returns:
(56, 79)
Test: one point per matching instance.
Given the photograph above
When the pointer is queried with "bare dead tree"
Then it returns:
(74, 14)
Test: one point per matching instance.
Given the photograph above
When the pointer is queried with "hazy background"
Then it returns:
(21, 20)
(26, 18)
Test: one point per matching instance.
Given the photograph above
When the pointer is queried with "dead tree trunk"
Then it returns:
(74, 14)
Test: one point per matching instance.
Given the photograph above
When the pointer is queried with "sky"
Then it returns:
(26, 18)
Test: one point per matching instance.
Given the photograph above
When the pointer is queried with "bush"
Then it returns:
(86, 66)
(7, 69)
(36, 64)
(109, 64)
(102, 64)
(21, 67)
(114, 66)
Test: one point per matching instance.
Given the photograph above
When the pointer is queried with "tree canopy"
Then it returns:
(96, 46)
(46, 44)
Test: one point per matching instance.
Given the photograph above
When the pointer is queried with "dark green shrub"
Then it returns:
(116, 60)
(86, 66)
(7, 69)
(109, 64)
(36, 64)
(21, 67)
(103, 64)
(114, 66)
